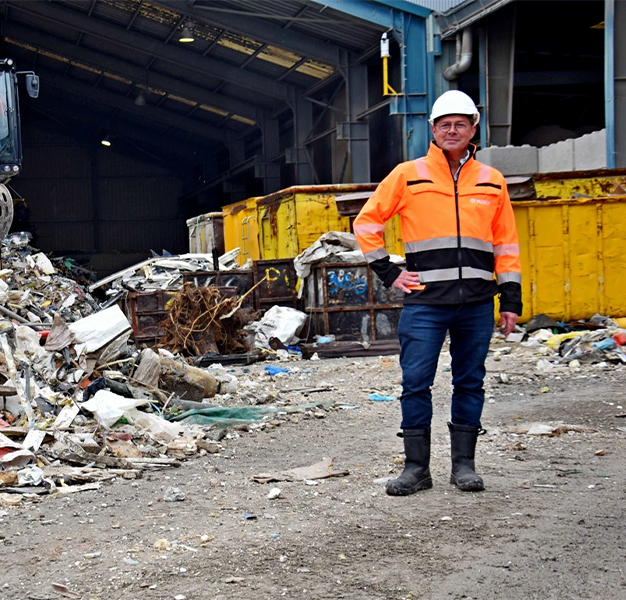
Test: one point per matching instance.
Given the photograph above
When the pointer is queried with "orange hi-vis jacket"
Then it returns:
(456, 233)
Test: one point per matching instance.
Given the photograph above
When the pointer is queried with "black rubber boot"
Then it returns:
(463, 441)
(416, 474)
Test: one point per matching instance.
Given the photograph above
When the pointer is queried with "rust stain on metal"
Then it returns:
(334, 189)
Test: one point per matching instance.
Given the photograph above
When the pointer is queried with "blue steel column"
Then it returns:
(615, 84)
(619, 86)
(413, 102)
(609, 81)
(408, 21)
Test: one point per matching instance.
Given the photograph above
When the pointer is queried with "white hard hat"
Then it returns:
(454, 102)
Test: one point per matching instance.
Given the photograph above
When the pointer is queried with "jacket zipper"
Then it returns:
(458, 231)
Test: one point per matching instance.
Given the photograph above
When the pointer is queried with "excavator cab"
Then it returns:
(10, 134)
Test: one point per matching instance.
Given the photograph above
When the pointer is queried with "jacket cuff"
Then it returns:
(392, 275)
(511, 297)
(386, 270)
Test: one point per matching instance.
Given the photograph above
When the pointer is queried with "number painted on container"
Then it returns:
(345, 280)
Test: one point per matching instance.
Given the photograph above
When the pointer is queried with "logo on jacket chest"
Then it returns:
(480, 201)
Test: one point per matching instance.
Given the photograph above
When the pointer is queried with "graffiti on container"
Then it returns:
(274, 274)
(344, 281)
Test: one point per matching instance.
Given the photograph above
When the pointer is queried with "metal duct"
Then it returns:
(463, 55)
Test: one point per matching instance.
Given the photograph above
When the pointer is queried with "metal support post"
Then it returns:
(356, 133)
(268, 171)
(302, 125)
(412, 103)
(482, 87)
(615, 83)
(609, 81)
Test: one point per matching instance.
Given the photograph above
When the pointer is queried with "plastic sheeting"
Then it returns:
(240, 415)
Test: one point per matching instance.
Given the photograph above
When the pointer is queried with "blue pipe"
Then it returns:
(609, 81)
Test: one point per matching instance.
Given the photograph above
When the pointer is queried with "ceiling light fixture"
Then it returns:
(186, 36)
(140, 100)
(105, 141)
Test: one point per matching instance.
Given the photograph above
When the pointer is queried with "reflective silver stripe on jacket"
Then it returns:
(509, 277)
(422, 168)
(367, 228)
(453, 273)
(484, 174)
(448, 242)
(376, 255)
(506, 249)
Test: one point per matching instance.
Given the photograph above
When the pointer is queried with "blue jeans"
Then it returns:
(422, 331)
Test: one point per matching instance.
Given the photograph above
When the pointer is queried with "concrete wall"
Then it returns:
(579, 154)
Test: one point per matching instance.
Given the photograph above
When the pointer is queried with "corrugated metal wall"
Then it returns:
(438, 5)
(86, 200)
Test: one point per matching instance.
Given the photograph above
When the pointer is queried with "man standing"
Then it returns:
(458, 229)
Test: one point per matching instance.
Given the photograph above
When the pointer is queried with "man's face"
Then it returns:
(453, 133)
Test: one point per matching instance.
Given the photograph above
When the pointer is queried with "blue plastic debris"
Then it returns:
(380, 398)
(323, 340)
(272, 370)
(605, 344)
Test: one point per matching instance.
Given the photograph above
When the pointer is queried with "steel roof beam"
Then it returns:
(121, 68)
(465, 14)
(370, 11)
(149, 46)
(263, 31)
(110, 99)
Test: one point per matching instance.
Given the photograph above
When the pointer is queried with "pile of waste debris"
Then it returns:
(83, 405)
(33, 290)
(80, 404)
(597, 340)
(164, 272)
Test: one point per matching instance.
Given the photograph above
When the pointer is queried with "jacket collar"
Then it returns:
(436, 153)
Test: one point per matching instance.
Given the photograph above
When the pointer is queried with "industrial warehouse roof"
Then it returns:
(249, 59)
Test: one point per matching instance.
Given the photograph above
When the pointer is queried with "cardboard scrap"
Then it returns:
(320, 470)
(551, 430)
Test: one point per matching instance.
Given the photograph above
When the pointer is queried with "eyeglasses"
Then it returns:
(460, 127)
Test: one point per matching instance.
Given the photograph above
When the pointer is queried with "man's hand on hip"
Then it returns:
(508, 322)
(406, 280)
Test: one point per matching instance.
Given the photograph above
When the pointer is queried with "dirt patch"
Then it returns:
(549, 525)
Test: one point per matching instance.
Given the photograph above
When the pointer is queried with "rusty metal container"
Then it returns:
(350, 302)
(293, 219)
(231, 283)
(145, 311)
(241, 229)
(573, 257)
(277, 285)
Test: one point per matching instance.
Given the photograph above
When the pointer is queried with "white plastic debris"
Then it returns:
(109, 407)
(43, 263)
(282, 322)
(100, 328)
(157, 427)
(17, 457)
(30, 476)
